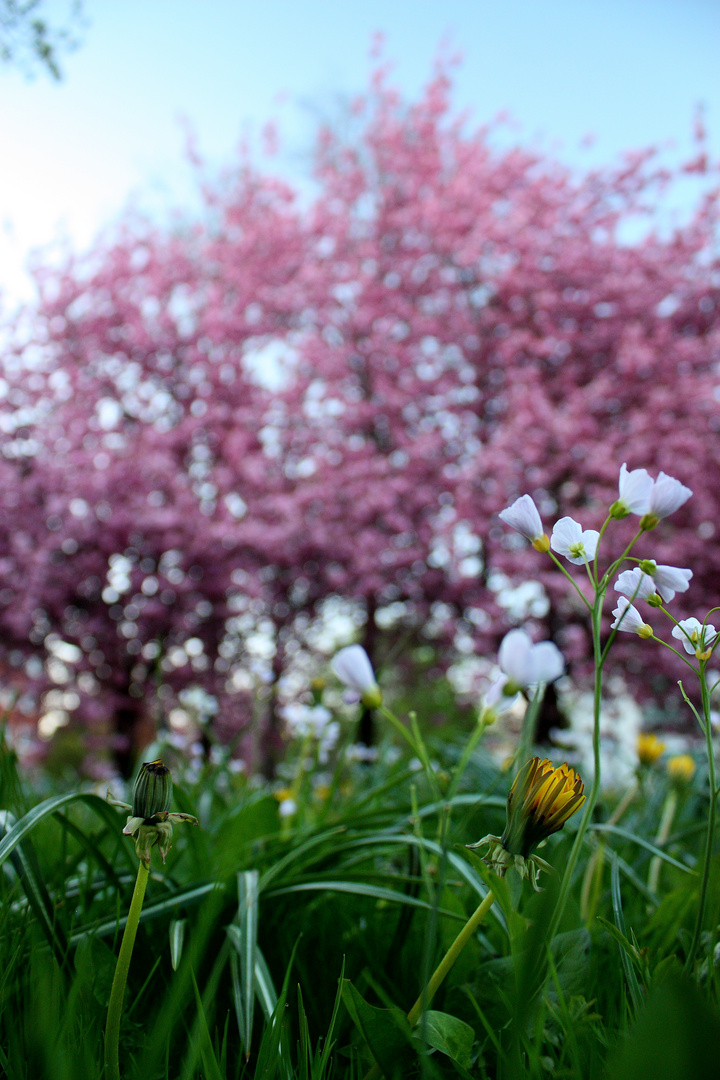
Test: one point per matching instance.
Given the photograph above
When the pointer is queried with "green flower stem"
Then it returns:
(462, 764)
(712, 812)
(663, 832)
(593, 871)
(437, 977)
(529, 727)
(449, 959)
(400, 728)
(112, 1028)
(592, 798)
(415, 740)
(572, 580)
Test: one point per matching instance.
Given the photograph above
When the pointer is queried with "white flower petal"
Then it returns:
(568, 539)
(667, 496)
(635, 584)
(496, 699)
(565, 532)
(671, 579)
(634, 489)
(353, 668)
(523, 515)
(693, 635)
(514, 657)
(632, 620)
(525, 664)
(547, 662)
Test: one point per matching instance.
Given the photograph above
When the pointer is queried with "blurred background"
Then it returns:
(296, 298)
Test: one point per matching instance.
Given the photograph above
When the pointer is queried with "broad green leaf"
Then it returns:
(95, 963)
(449, 1035)
(386, 1032)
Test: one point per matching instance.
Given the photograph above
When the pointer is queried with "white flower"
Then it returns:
(568, 539)
(667, 496)
(634, 490)
(635, 584)
(695, 636)
(629, 618)
(287, 808)
(671, 579)
(523, 664)
(523, 516)
(353, 668)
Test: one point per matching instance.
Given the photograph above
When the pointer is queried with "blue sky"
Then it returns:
(629, 72)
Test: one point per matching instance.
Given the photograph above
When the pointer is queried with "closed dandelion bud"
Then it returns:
(150, 822)
(541, 800)
(152, 791)
(681, 769)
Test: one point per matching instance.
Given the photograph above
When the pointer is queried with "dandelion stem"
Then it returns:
(449, 958)
(437, 977)
(112, 1028)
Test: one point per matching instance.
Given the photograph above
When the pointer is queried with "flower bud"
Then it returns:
(152, 791)
(681, 769)
(542, 544)
(649, 748)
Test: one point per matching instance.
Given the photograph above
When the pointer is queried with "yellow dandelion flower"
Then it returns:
(681, 768)
(649, 748)
(542, 798)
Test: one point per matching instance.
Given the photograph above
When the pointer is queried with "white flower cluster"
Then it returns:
(652, 500)
(638, 493)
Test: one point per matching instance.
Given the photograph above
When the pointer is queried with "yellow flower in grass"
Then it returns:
(681, 769)
(541, 800)
(649, 748)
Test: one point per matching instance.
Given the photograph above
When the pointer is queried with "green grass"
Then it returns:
(293, 949)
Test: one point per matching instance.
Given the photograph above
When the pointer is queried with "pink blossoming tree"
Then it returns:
(215, 430)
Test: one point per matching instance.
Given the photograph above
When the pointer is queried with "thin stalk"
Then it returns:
(593, 871)
(415, 740)
(117, 993)
(592, 798)
(710, 834)
(462, 764)
(663, 832)
(438, 976)
(527, 735)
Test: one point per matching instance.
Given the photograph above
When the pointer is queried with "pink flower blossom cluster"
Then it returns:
(211, 430)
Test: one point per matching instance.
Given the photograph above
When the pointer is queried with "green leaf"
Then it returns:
(248, 925)
(676, 1037)
(95, 964)
(627, 951)
(273, 1050)
(386, 1032)
(641, 842)
(177, 939)
(449, 1035)
(361, 888)
(43, 810)
(210, 1063)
